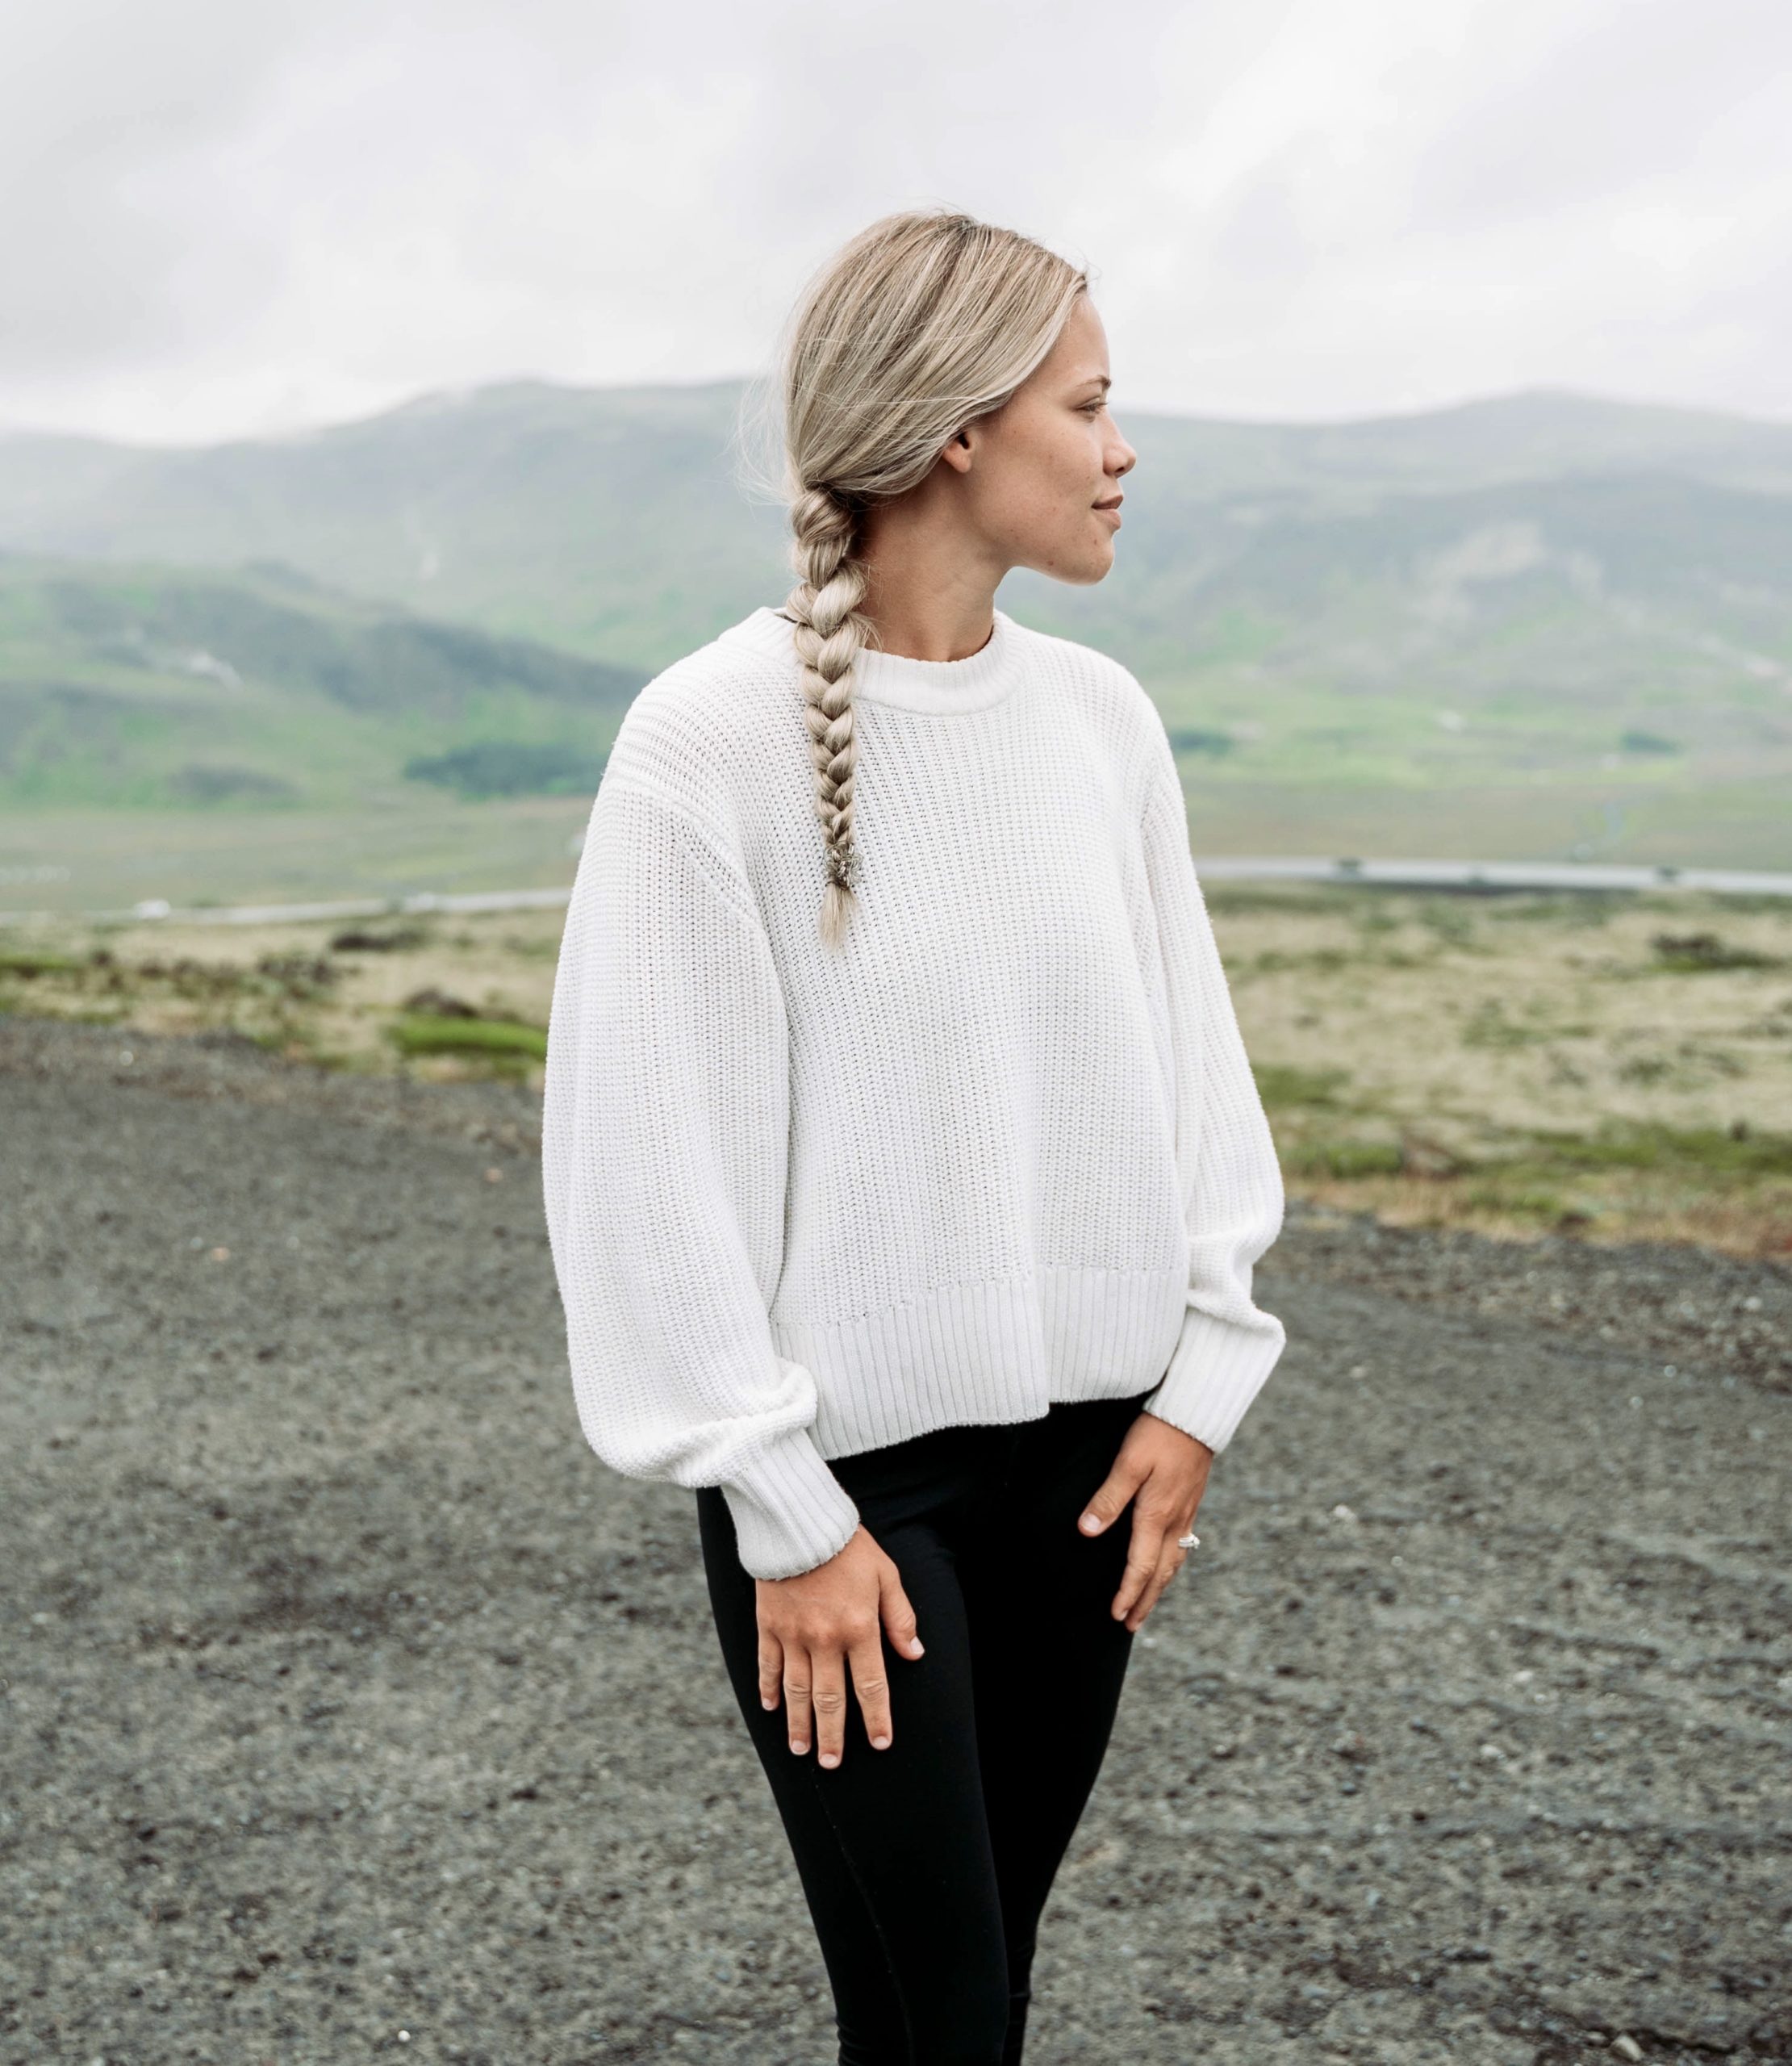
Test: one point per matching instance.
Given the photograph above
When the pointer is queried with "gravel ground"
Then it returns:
(354, 1709)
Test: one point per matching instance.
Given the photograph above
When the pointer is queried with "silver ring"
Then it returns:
(1188, 1542)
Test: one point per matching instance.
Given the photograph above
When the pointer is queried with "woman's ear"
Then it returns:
(957, 454)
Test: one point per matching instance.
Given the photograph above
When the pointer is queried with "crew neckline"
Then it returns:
(936, 687)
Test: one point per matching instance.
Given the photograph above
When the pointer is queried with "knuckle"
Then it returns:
(873, 1687)
(830, 1700)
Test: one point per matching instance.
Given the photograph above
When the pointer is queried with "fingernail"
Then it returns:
(918, 1647)
(880, 1742)
(766, 1704)
(829, 1758)
(1090, 1523)
(797, 1749)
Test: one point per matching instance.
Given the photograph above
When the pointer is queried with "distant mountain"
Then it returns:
(607, 520)
(145, 685)
(600, 520)
(1502, 592)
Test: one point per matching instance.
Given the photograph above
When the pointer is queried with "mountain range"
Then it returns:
(1541, 586)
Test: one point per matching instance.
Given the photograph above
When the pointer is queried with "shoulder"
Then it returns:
(708, 724)
(1110, 697)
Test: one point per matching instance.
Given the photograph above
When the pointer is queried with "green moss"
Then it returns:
(1682, 954)
(419, 1033)
(1527, 1201)
(1320, 960)
(1343, 1159)
(21, 962)
(1278, 1084)
(1710, 1150)
(1488, 1026)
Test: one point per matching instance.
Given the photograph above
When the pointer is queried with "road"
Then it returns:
(1477, 877)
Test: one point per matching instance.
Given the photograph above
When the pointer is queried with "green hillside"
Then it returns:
(146, 686)
(1542, 624)
(609, 521)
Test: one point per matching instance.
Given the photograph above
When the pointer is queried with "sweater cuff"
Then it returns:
(1218, 1368)
(791, 1512)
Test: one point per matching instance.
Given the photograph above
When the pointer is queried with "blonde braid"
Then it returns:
(829, 634)
(925, 321)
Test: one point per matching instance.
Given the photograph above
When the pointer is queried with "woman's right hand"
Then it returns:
(814, 1627)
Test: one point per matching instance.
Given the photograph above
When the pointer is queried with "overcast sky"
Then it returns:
(231, 217)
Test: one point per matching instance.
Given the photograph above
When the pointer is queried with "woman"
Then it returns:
(904, 1169)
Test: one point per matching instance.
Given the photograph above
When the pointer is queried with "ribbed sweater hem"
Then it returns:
(997, 1351)
(994, 1353)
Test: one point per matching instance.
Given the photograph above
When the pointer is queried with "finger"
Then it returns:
(1110, 1499)
(871, 1682)
(1166, 1569)
(797, 1712)
(771, 1669)
(1143, 1554)
(828, 1693)
(899, 1617)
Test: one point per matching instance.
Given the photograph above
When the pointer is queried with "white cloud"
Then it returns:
(216, 218)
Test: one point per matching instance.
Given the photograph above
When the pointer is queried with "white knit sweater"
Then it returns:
(1001, 1148)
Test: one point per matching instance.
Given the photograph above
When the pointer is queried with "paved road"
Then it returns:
(1479, 876)
(354, 1710)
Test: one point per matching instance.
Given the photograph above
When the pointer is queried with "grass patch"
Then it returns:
(27, 965)
(1488, 1026)
(1289, 1089)
(1317, 900)
(511, 767)
(1342, 1160)
(1686, 954)
(425, 1033)
(1705, 1151)
(1320, 960)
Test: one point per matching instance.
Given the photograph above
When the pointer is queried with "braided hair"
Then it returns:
(922, 323)
(830, 632)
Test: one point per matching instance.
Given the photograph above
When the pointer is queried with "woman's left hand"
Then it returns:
(1163, 1472)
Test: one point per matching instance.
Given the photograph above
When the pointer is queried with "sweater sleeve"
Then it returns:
(1231, 1181)
(664, 1140)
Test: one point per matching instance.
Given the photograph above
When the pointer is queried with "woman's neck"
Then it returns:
(930, 590)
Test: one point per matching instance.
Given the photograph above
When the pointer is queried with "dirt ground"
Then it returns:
(1616, 1067)
(354, 1709)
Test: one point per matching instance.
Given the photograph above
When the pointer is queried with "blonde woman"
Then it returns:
(904, 1169)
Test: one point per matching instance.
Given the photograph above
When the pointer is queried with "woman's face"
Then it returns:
(1042, 464)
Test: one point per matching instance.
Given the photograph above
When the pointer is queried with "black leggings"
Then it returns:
(926, 1866)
